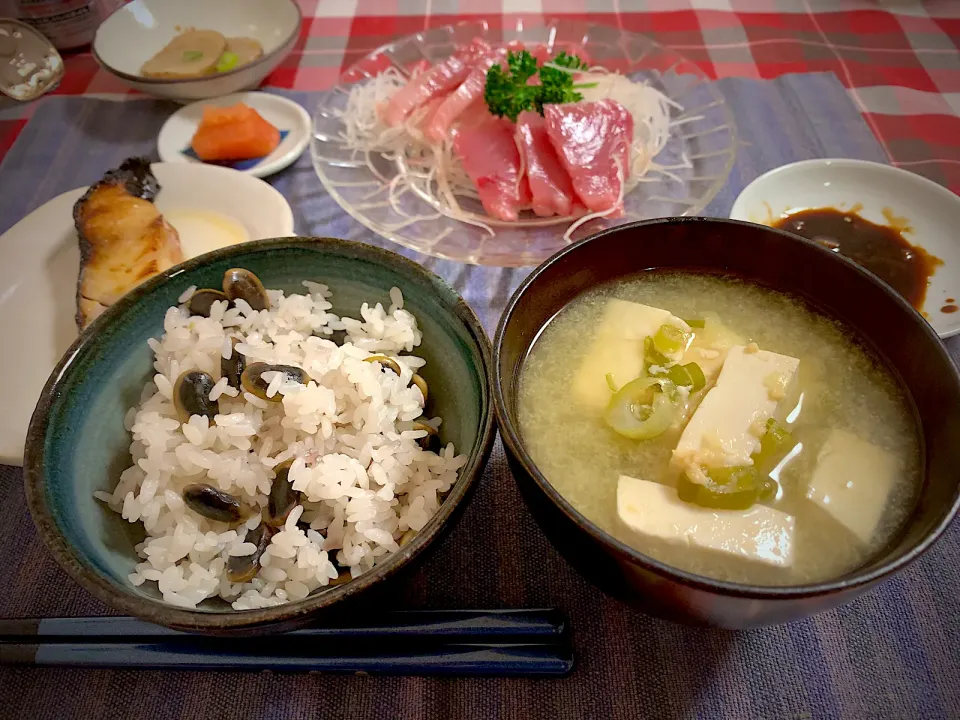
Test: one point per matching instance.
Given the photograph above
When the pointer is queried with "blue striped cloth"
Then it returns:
(894, 653)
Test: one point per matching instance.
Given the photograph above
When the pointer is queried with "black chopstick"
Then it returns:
(541, 625)
(459, 660)
(446, 642)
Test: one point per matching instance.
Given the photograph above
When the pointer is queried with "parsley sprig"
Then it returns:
(507, 92)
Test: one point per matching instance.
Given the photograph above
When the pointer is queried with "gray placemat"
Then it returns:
(892, 654)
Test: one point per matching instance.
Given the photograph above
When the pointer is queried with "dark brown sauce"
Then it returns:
(880, 249)
(949, 309)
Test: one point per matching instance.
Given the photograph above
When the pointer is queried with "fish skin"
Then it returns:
(123, 238)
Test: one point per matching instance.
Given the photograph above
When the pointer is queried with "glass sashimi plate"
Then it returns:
(695, 161)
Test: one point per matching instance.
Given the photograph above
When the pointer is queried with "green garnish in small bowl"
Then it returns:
(227, 61)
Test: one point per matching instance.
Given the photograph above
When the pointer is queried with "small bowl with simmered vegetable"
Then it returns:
(725, 423)
(185, 50)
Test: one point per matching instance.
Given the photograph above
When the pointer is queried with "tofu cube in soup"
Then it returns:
(617, 349)
(726, 428)
(710, 346)
(852, 482)
(652, 513)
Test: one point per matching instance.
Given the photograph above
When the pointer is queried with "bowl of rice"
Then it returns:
(260, 433)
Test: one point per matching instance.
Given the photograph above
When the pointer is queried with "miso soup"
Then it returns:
(721, 428)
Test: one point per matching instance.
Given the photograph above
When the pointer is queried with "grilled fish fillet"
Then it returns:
(123, 238)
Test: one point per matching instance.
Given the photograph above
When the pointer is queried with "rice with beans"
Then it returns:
(365, 483)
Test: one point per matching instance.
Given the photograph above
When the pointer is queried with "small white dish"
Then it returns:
(140, 29)
(874, 191)
(285, 115)
(209, 206)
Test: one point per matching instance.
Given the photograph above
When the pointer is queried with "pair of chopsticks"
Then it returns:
(414, 642)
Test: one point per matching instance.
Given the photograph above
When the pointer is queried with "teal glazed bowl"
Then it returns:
(77, 444)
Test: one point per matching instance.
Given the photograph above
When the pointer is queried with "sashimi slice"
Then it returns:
(550, 185)
(489, 155)
(470, 90)
(419, 66)
(420, 118)
(592, 140)
(442, 77)
(541, 53)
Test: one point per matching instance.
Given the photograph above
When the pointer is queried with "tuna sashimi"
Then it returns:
(592, 140)
(470, 90)
(489, 155)
(550, 184)
(441, 78)
(541, 53)
(427, 111)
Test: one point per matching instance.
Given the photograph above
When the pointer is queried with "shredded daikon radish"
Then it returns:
(362, 127)
(434, 173)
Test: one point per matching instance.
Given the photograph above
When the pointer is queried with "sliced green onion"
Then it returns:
(737, 488)
(669, 339)
(775, 443)
(769, 490)
(696, 374)
(651, 355)
(689, 375)
(740, 476)
(678, 375)
(227, 61)
(191, 55)
(641, 409)
(696, 322)
(728, 488)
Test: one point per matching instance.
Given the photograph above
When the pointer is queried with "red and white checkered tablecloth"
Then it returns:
(899, 59)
